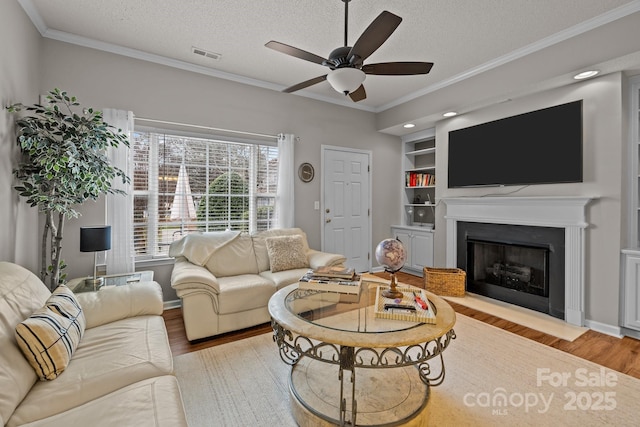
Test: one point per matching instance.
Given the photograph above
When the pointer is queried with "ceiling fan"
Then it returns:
(346, 63)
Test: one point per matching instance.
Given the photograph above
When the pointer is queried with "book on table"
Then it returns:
(330, 284)
(334, 272)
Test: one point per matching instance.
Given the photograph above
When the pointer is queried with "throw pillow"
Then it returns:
(286, 253)
(63, 302)
(50, 335)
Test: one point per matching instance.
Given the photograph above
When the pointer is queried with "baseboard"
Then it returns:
(168, 305)
(419, 273)
(631, 333)
(614, 331)
(378, 269)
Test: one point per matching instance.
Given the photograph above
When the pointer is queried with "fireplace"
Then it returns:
(564, 214)
(522, 265)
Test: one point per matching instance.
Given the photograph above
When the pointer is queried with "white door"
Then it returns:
(346, 202)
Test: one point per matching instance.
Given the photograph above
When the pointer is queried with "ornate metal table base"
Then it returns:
(386, 397)
(415, 359)
(349, 367)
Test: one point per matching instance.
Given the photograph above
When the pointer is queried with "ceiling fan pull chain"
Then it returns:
(346, 20)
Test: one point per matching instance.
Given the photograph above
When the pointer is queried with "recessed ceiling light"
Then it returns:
(409, 126)
(585, 74)
(450, 114)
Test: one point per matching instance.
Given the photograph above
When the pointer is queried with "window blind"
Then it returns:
(185, 184)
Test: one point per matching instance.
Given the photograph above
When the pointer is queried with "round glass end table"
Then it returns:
(350, 367)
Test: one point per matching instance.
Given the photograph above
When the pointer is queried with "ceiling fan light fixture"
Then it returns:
(346, 80)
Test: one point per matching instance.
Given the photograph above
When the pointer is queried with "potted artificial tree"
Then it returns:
(63, 164)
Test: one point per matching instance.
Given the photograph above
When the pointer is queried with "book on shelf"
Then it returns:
(416, 179)
(330, 284)
(412, 307)
(334, 272)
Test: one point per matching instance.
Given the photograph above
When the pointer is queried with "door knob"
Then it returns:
(328, 220)
(328, 210)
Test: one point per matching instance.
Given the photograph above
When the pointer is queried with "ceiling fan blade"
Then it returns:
(397, 68)
(294, 51)
(358, 94)
(372, 38)
(304, 84)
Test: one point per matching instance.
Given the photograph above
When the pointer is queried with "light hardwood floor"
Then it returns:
(621, 355)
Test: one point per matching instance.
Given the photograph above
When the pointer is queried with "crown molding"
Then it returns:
(561, 36)
(583, 27)
(62, 36)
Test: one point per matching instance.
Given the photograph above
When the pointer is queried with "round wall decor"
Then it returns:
(306, 172)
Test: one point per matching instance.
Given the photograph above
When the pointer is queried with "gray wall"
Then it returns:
(604, 153)
(104, 80)
(19, 71)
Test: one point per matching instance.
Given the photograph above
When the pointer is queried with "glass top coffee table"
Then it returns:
(350, 367)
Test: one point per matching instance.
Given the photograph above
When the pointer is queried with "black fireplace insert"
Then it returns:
(522, 265)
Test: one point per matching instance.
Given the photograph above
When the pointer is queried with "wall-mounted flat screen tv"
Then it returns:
(539, 147)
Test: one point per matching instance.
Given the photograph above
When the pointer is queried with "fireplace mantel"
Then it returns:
(566, 212)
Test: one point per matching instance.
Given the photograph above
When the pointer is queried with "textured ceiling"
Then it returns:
(458, 36)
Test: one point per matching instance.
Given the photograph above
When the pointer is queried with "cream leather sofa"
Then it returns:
(119, 375)
(225, 279)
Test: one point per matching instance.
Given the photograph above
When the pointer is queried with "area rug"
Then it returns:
(493, 378)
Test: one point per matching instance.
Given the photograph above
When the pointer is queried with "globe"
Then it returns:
(391, 254)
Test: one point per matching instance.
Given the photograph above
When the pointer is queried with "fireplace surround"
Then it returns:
(563, 212)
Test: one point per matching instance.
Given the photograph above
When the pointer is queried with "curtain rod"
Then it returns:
(261, 135)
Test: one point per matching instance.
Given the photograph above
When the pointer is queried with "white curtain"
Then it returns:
(120, 258)
(285, 209)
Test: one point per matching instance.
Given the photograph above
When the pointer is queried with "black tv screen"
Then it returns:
(539, 147)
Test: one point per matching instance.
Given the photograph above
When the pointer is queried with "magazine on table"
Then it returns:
(330, 284)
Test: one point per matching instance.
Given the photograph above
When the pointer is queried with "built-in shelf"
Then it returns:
(426, 168)
(631, 256)
(419, 167)
(421, 151)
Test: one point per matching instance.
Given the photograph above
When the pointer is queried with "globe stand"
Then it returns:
(392, 292)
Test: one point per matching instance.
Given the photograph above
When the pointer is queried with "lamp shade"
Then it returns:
(95, 239)
(346, 80)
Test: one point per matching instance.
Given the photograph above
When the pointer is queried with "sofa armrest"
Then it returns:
(120, 302)
(320, 259)
(186, 275)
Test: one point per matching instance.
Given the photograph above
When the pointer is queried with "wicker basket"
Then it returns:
(445, 281)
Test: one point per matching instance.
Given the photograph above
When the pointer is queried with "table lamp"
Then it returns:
(95, 239)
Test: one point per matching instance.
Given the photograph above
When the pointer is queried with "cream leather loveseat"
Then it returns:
(120, 373)
(225, 279)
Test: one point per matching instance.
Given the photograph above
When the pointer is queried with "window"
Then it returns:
(184, 184)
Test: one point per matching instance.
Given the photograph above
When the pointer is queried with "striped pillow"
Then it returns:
(49, 336)
(63, 302)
